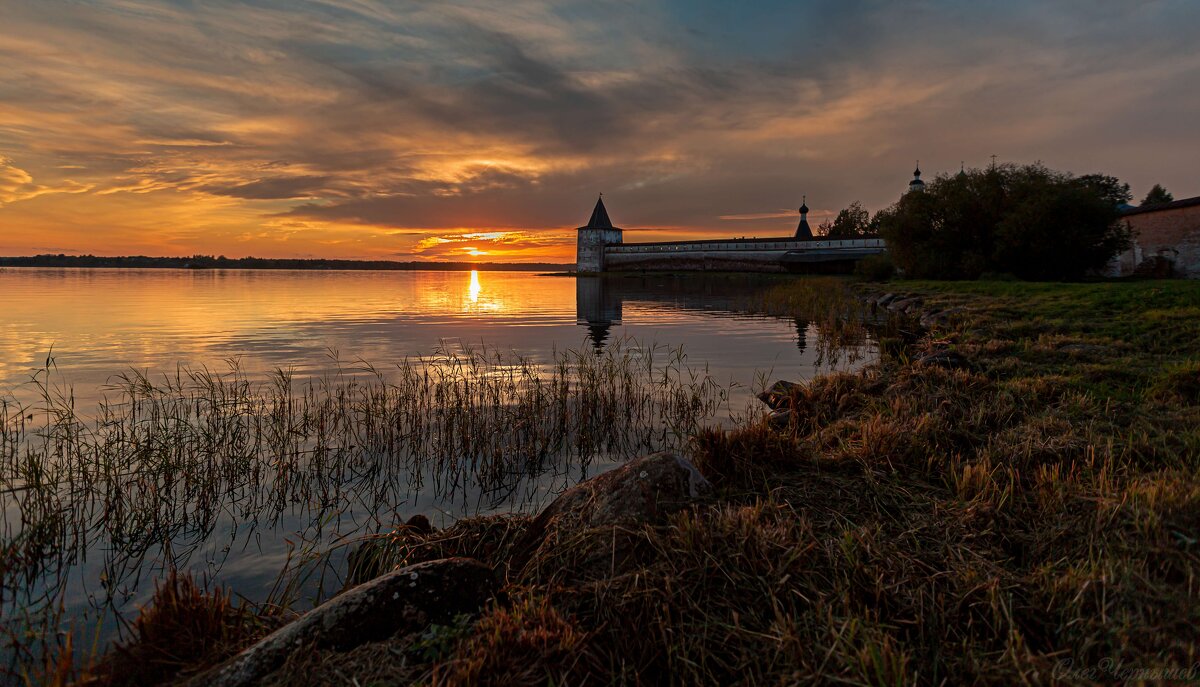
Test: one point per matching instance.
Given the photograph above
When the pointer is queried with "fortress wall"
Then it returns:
(1172, 233)
(760, 255)
(698, 260)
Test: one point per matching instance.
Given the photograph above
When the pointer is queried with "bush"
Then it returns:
(1029, 221)
(875, 268)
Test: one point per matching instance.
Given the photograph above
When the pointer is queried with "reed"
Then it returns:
(167, 463)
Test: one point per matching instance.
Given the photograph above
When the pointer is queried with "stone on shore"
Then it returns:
(419, 524)
(940, 317)
(780, 419)
(644, 490)
(405, 600)
(590, 530)
(950, 360)
(779, 395)
(1085, 350)
(904, 305)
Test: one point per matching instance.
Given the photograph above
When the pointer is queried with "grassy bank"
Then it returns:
(1027, 514)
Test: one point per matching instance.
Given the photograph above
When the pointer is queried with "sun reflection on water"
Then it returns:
(474, 289)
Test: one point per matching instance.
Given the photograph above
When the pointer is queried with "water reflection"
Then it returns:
(597, 307)
(474, 288)
(802, 325)
(601, 302)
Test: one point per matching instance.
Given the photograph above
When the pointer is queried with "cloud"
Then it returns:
(500, 245)
(276, 188)
(754, 216)
(16, 185)
(328, 126)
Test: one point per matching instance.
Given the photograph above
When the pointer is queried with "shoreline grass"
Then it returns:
(1031, 520)
(1031, 517)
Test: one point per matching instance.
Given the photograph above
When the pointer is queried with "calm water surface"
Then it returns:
(95, 323)
(99, 322)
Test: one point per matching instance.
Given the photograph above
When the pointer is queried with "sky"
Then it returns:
(485, 130)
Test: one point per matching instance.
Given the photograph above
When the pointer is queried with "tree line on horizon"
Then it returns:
(222, 262)
(1026, 221)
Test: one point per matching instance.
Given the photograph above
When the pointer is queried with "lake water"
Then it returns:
(96, 323)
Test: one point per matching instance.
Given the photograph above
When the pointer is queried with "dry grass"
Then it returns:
(183, 629)
(527, 643)
(1032, 520)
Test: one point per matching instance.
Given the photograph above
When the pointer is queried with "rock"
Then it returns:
(780, 419)
(950, 360)
(779, 395)
(600, 517)
(903, 305)
(1085, 350)
(644, 490)
(364, 562)
(940, 317)
(408, 599)
(419, 524)
(885, 299)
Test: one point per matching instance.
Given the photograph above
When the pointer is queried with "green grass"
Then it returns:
(1143, 330)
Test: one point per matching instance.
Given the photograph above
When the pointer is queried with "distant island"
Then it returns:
(200, 262)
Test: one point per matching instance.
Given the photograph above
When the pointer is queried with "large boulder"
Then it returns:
(405, 600)
(644, 490)
(590, 530)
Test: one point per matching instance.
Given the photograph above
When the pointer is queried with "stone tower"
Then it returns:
(591, 240)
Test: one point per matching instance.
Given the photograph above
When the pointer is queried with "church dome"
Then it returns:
(916, 184)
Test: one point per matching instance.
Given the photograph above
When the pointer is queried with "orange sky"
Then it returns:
(415, 130)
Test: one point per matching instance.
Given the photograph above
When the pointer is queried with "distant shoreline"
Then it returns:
(204, 262)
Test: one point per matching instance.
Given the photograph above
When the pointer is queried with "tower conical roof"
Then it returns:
(600, 218)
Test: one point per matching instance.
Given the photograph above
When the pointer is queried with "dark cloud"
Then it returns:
(279, 188)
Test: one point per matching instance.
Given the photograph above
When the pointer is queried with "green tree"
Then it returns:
(1158, 194)
(1111, 188)
(1028, 221)
(851, 223)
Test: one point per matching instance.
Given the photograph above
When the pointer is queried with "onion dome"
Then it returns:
(916, 184)
(804, 232)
